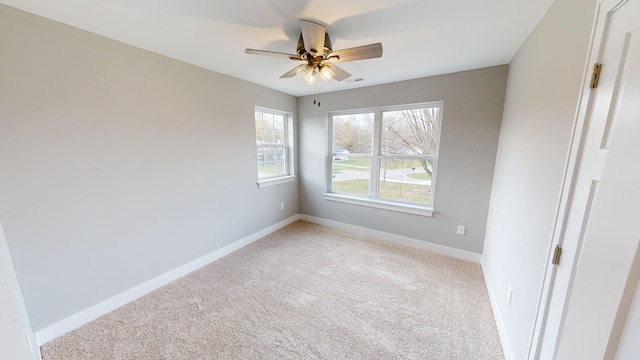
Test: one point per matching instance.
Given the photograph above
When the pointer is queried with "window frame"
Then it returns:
(288, 149)
(373, 199)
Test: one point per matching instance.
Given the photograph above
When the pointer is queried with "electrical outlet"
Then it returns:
(461, 229)
(282, 206)
(509, 294)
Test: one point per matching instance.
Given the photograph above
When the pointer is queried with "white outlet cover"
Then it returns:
(461, 230)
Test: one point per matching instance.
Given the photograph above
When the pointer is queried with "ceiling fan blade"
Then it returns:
(340, 74)
(313, 36)
(272, 53)
(357, 53)
(293, 72)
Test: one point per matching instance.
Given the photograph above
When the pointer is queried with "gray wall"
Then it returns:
(540, 107)
(118, 165)
(473, 102)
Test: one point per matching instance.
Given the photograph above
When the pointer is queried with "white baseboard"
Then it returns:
(75, 321)
(502, 331)
(423, 245)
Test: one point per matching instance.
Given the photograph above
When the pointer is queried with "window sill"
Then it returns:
(277, 181)
(380, 204)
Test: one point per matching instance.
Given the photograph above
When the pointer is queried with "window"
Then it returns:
(273, 145)
(385, 157)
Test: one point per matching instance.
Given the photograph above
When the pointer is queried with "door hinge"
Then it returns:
(595, 76)
(556, 255)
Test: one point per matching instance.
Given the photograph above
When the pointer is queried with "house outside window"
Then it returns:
(385, 157)
(274, 151)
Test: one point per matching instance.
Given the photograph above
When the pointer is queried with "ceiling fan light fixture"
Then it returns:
(326, 74)
(315, 50)
(309, 70)
(309, 78)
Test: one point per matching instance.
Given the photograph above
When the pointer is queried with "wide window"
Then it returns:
(273, 146)
(385, 157)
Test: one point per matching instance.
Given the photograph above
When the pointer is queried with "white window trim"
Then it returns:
(289, 130)
(398, 206)
(275, 181)
(381, 204)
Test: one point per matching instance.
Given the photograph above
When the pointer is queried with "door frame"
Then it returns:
(18, 316)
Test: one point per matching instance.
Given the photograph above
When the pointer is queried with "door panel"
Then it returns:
(629, 346)
(607, 241)
(588, 156)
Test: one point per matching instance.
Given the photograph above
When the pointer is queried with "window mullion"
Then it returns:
(374, 182)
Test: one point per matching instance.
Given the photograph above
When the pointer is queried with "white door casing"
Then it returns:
(568, 288)
(16, 337)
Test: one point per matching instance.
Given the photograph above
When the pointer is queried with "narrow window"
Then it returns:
(273, 145)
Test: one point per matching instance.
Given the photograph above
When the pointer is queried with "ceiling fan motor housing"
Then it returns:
(328, 49)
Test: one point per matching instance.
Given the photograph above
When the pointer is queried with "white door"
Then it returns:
(629, 347)
(14, 322)
(600, 227)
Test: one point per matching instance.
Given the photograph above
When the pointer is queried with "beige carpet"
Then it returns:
(304, 292)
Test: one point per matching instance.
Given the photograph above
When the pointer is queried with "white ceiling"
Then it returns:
(419, 37)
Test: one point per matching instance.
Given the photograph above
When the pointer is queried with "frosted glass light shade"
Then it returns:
(326, 74)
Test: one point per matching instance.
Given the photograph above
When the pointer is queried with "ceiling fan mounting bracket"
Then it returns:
(327, 49)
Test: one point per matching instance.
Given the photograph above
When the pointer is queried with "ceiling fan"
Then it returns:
(318, 57)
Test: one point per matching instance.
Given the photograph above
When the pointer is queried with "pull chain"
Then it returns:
(314, 95)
